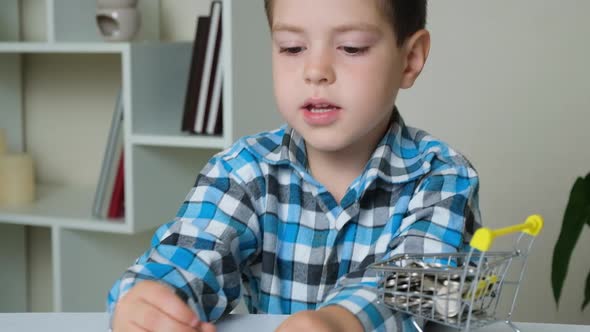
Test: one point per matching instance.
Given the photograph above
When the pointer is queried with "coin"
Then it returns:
(447, 301)
(453, 286)
(429, 285)
(407, 302)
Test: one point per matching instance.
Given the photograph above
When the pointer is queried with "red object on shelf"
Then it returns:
(116, 206)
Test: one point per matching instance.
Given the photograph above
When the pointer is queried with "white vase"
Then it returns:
(117, 20)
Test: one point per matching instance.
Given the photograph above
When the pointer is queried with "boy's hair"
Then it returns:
(405, 16)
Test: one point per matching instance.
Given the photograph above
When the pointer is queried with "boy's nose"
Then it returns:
(318, 71)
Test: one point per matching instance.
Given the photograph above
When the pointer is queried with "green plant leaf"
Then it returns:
(587, 297)
(576, 216)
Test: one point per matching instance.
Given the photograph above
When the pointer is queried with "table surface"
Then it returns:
(98, 322)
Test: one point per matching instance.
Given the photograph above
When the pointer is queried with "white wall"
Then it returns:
(506, 84)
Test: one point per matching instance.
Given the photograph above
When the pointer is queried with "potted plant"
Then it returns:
(577, 214)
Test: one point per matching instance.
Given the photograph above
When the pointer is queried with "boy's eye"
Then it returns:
(291, 50)
(354, 50)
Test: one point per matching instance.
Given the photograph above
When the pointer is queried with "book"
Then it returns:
(116, 206)
(218, 129)
(213, 118)
(196, 72)
(110, 161)
(214, 83)
(211, 59)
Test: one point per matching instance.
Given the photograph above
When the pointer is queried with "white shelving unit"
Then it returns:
(153, 79)
(161, 164)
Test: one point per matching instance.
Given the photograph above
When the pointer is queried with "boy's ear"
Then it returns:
(415, 52)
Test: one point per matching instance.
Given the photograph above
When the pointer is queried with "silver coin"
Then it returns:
(453, 286)
(427, 303)
(393, 280)
(401, 284)
(451, 320)
(429, 285)
(390, 282)
(389, 299)
(448, 301)
(407, 274)
(403, 287)
(417, 265)
(405, 302)
(436, 265)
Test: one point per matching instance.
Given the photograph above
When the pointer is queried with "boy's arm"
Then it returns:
(200, 254)
(442, 215)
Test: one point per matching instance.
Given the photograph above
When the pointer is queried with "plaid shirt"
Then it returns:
(257, 218)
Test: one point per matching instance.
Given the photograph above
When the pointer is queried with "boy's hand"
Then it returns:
(329, 319)
(150, 306)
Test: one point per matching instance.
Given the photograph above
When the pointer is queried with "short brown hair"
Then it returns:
(406, 16)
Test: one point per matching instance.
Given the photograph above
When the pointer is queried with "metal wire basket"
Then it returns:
(460, 290)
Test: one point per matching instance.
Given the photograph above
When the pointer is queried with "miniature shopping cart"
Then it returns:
(465, 290)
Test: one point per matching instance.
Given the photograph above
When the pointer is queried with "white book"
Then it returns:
(108, 170)
(214, 108)
(209, 57)
(111, 177)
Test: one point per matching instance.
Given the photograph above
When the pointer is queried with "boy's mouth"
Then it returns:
(320, 106)
(320, 112)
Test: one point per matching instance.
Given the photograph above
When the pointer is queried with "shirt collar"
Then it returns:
(396, 158)
(293, 148)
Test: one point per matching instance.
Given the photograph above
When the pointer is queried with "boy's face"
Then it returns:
(336, 70)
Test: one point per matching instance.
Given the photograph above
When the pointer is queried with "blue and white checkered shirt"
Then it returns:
(257, 218)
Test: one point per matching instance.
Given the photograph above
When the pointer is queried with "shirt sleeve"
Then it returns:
(442, 215)
(201, 252)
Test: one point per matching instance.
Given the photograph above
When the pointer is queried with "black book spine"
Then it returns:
(214, 65)
(196, 71)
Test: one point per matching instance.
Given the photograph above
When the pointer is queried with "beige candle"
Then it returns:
(3, 141)
(17, 179)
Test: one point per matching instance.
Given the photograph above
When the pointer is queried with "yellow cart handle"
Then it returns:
(484, 237)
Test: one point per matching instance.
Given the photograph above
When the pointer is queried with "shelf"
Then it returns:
(62, 206)
(36, 47)
(184, 141)
(83, 47)
(162, 163)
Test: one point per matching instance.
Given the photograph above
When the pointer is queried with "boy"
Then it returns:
(298, 214)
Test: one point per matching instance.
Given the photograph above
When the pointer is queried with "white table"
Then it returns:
(98, 322)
